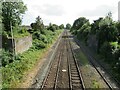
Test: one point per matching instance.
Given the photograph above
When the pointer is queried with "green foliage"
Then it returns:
(118, 29)
(1, 26)
(20, 32)
(61, 26)
(68, 26)
(44, 38)
(78, 23)
(53, 27)
(107, 33)
(11, 13)
(38, 44)
(95, 26)
(6, 57)
(106, 51)
(14, 72)
(81, 27)
(38, 25)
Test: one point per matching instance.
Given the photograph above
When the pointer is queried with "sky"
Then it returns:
(66, 11)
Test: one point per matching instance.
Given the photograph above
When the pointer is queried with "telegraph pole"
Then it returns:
(13, 48)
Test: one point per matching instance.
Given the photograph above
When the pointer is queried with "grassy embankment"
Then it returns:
(13, 73)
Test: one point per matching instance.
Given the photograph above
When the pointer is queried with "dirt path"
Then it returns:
(29, 76)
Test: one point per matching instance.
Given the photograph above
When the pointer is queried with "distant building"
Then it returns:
(119, 11)
(26, 27)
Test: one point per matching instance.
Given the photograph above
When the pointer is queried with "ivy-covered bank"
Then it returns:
(12, 73)
(103, 37)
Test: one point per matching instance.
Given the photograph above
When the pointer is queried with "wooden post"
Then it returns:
(12, 41)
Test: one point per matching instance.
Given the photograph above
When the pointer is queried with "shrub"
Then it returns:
(106, 51)
(43, 38)
(38, 44)
(6, 57)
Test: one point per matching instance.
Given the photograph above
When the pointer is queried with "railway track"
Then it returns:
(102, 66)
(76, 80)
(65, 60)
(50, 79)
(53, 78)
(92, 62)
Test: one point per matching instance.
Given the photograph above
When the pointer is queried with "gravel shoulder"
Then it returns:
(90, 76)
(102, 66)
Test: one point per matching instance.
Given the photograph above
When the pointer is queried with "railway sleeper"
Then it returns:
(74, 70)
(76, 81)
(76, 87)
(75, 78)
(75, 75)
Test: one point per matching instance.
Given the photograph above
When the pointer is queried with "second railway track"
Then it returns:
(64, 71)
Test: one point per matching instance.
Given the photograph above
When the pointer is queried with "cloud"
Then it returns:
(99, 11)
(54, 10)
(49, 9)
(28, 18)
(66, 11)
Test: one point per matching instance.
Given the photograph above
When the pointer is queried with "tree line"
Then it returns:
(107, 32)
(13, 69)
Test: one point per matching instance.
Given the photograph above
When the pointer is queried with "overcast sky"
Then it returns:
(66, 11)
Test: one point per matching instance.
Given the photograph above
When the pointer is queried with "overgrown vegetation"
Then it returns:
(12, 13)
(68, 26)
(14, 72)
(107, 33)
(14, 66)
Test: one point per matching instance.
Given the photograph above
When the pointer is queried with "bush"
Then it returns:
(43, 38)
(38, 44)
(6, 57)
(106, 51)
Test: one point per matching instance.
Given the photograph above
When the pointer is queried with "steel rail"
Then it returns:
(76, 64)
(107, 83)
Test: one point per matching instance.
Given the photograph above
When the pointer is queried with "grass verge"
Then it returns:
(13, 73)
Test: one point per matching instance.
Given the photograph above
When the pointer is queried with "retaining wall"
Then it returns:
(19, 44)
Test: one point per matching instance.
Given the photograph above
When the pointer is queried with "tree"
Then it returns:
(1, 26)
(38, 25)
(95, 26)
(77, 25)
(53, 27)
(61, 26)
(107, 31)
(12, 13)
(68, 26)
(79, 22)
(118, 29)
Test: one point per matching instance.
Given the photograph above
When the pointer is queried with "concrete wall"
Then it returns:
(23, 44)
(19, 44)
